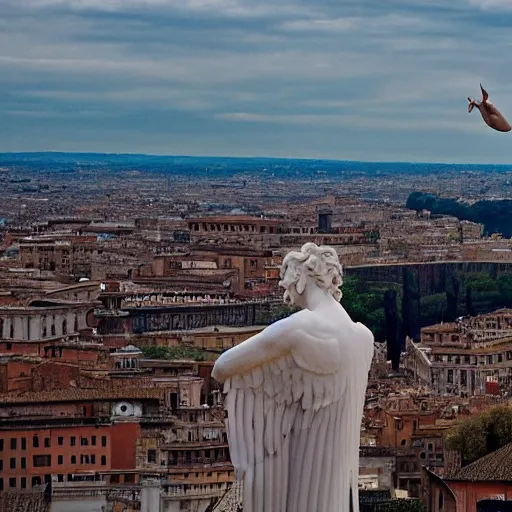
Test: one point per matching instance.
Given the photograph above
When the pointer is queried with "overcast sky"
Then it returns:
(365, 80)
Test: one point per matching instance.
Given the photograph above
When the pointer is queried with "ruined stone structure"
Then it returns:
(185, 317)
(253, 230)
(470, 356)
(65, 255)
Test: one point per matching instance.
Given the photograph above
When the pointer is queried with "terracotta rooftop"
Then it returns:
(80, 395)
(22, 501)
(495, 466)
(447, 327)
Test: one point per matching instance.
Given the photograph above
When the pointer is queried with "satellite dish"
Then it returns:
(124, 409)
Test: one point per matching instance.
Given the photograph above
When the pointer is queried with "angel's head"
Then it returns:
(320, 263)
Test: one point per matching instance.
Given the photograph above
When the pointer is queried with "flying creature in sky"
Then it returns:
(490, 114)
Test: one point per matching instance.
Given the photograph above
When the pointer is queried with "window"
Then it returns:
(1, 445)
(60, 478)
(23, 482)
(463, 378)
(72, 440)
(47, 442)
(93, 459)
(60, 441)
(151, 455)
(12, 463)
(450, 377)
(93, 440)
(489, 359)
(36, 480)
(23, 443)
(1, 484)
(13, 443)
(60, 459)
(84, 441)
(23, 463)
(1, 465)
(35, 442)
(42, 461)
(103, 441)
(12, 483)
(103, 460)
(73, 459)
(500, 358)
(430, 447)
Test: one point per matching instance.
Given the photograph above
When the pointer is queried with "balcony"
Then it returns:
(110, 313)
(203, 491)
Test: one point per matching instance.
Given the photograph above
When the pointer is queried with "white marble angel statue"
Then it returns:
(295, 396)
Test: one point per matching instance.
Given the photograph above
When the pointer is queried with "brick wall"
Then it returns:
(53, 376)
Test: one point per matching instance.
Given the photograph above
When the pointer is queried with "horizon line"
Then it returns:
(160, 155)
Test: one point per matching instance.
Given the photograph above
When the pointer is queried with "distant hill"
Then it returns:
(494, 215)
(229, 166)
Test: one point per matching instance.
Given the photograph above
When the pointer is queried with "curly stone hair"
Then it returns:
(320, 262)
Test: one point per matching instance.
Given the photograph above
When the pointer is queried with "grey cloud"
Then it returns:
(203, 70)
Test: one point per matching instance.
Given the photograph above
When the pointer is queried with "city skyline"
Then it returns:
(221, 77)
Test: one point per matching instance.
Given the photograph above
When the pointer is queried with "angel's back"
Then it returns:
(295, 396)
(294, 422)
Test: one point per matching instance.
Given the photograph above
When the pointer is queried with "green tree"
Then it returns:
(280, 312)
(505, 288)
(177, 353)
(364, 304)
(401, 506)
(479, 435)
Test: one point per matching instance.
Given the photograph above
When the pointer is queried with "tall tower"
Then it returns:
(324, 214)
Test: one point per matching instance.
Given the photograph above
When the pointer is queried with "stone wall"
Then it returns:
(196, 317)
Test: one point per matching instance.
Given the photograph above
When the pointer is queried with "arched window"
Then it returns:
(11, 333)
(53, 328)
(75, 327)
(64, 326)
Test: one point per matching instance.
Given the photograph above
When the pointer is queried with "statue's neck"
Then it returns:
(316, 298)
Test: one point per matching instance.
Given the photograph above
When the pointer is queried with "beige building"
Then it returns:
(470, 356)
(44, 319)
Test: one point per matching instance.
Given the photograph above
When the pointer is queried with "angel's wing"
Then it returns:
(282, 431)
